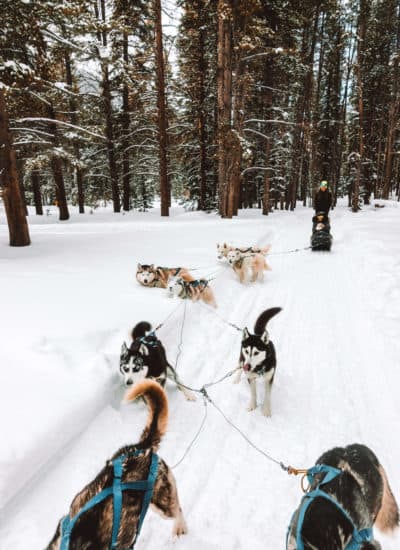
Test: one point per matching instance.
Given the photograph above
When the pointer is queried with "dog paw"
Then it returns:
(266, 412)
(190, 397)
(179, 529)
(251, 407)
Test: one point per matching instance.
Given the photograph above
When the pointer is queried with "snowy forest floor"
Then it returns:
(70, 300)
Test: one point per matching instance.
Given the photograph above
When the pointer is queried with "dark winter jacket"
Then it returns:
(323, 201)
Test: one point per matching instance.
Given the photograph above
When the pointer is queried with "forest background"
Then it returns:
(241, 104)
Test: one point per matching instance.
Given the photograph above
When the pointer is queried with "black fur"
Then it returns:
(263, 319)
(358, 489)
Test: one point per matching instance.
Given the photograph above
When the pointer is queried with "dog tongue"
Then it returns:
(246, 367)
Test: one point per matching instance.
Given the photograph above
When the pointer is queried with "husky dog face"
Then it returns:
(145, 274)
(132, 364)
(254, 350)
(233, 256)
(222, 251)
(174, 286)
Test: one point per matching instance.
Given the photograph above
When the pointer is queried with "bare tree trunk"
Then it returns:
(393, 121)
(201, 120)
(37, 197)
(56, 167)
(126, 201)
(106, 92)
(13, 202)
(74, 120)
(362, 25)
(224, 100)
(161, 112)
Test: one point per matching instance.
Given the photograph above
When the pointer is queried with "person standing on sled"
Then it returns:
(323, 198)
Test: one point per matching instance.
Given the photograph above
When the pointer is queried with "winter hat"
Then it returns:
(323, 183)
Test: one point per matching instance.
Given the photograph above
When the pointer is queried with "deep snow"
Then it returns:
(70, 300)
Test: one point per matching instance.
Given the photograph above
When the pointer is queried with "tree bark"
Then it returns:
(74, 120)
(106, 93)
(13, 202)
(37, 197)
(161, 112)
(224, 101)
(56, 167)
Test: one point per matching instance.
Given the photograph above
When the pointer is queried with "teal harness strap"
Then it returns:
(358, 536)
(116, 490)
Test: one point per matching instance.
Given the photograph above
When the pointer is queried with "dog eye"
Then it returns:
(125, 368)
(256, 352)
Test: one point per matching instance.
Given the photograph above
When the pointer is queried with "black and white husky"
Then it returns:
(258, 360)
(349, 493)
(146, 358)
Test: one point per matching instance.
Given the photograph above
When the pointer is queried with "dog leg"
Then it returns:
(166, 502)
(268, 377)
(253, 394)
(172, 375)
(238, 376)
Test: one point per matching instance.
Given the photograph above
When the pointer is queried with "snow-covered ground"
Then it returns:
(69, 301)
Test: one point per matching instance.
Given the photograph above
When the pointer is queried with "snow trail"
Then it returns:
(336, 381)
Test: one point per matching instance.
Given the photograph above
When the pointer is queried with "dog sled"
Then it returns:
(321, 238)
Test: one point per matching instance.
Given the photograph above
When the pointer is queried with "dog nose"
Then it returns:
(129, 382)
(145, 280)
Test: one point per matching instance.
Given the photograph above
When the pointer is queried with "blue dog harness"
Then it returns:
(147, 486)
(358, 537)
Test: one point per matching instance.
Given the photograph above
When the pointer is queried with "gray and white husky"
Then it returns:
(258, 360)
(146, 358)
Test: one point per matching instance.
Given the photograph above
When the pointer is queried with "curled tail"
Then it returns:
(388, 515)
(157, 403)
(263, 319)
(140, 330)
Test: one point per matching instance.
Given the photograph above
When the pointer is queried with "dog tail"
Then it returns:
(263, 319)
(388, 516)
(157, 402)
(140, 330)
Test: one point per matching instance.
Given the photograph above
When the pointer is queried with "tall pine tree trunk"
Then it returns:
(37, 197)
(202, 118)
(161, 112)
(224, 101)
(11, 191)
(56, 167)
(362, 27)
(73, 106)
(106, 93)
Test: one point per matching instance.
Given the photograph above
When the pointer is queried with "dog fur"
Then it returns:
(146, 358)
(223, 249)
(363, 491)
(258, 360)
(93, 530)
(152, 276)
(193, 290)
(248, 267)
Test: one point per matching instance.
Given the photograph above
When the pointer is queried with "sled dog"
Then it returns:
(258, 360)
(223, 249)
(146, 358)
(248, 267)
(198, 289)
(150, 275)
(353, 495)
(94, 528)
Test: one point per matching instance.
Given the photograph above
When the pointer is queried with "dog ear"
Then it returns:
(265, 337)
(139, 267)
(246, 333)
(124, 350)
(143, 350)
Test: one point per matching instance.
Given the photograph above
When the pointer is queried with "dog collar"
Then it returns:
(330, 473)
